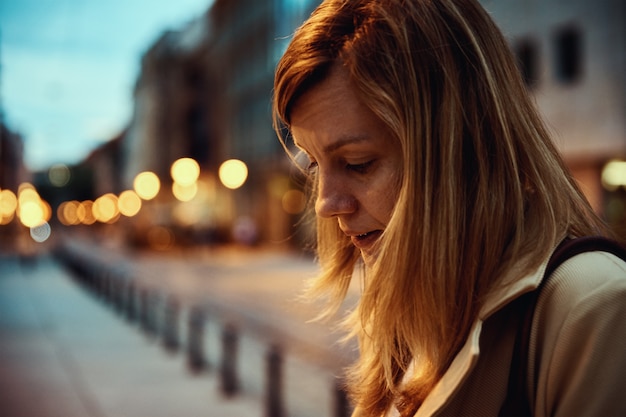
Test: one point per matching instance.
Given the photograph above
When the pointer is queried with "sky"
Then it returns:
(68, 68)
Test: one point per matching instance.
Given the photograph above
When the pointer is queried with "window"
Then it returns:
(527, 52)
(568, 54)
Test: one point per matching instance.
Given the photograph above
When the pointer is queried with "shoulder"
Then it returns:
(583, 277)
(584, 289)
(579, 323)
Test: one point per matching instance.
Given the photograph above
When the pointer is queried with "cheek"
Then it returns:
(390, 199)
(383, 197)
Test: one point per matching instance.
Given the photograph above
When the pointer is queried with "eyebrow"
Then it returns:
(340, 143)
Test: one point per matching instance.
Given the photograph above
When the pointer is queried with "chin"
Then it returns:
(368, 259)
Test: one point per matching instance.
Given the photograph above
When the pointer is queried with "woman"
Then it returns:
(430, 165)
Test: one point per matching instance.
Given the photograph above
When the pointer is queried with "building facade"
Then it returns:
(205, 92)
(573, 57)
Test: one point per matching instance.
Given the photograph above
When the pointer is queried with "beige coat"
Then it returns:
(578, 340)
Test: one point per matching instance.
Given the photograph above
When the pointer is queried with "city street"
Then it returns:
(62, 353)
(67, 348)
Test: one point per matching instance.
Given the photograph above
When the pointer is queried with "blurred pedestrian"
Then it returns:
(433, 174)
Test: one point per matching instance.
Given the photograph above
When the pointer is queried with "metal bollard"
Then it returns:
(342, 404)
(130, 303)
(146, 311)
(104, 282)
(115, 288)
(170, 324)
(196, 361)
(121, 292)
(106, 285)
(228, 370)
(274, 383)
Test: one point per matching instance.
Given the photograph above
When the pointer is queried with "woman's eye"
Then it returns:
(312, 167)
(360, 168)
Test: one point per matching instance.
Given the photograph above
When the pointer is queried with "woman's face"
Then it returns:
(353, 156)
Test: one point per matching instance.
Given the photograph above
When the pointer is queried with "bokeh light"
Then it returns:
(47, 210)
(85, 213)
(8, 205)
(66, 213)
(105, 208)
(184, 192)
(40, 233)
(31, 214)
(294, 201)
(233, 173)
(614, 175)
(31, 210)
(59, 175)
(147, 185)
(160, 238)
(4, 220)
(185, 171)
(129, 203)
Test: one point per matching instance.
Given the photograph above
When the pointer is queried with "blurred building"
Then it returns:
(12, 169)
(247, 39)
(12, 174)
(172, 97)
(173, 118)
(573, 57)
(106, 162)
(204, 92)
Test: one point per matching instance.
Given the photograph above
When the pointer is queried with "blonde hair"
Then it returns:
(483, 188)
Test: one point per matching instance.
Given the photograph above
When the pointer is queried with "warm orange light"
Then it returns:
(105, 208)
(4, 220)
(8, 203)
(294, 201)
(30, 208)
(160, 238)
(184, 192)
(27, 194)
(614, 175)
(129, 203)
(278, 185)
(185, 171)
(31, 214)
(47, 210)
(147, 185)
(25, 186)
(85, 213)
(233, 173)
(66, 213)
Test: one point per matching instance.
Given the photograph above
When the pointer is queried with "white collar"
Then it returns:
(467, 357)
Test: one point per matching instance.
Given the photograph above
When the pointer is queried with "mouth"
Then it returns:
(365, 240)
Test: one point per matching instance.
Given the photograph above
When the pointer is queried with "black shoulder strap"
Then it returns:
(517, 402)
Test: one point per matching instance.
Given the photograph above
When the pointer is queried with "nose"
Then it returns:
(334, 197)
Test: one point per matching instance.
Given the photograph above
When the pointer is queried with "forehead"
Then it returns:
(333, 91)
(332, 109)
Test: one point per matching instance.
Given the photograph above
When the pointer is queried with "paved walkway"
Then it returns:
(253, 291)
(63, 353)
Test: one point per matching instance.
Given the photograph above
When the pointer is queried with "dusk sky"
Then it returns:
(68, 68)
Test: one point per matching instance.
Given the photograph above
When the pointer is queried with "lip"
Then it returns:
(365, 240)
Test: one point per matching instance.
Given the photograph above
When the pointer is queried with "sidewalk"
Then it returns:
(63, 353)
(249, 292)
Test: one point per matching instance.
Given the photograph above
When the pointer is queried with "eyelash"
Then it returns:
(358, 168)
